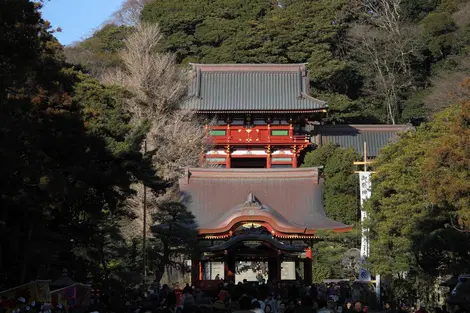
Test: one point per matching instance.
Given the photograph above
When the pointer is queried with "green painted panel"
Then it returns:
(217, 132)
(279, 133)
(274, 160)
(215, 160)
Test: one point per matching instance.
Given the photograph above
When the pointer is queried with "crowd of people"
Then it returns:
(24, 306)
(247, 297)
(244, 297)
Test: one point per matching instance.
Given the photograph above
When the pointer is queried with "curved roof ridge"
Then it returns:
(250, 67)
(240, 173)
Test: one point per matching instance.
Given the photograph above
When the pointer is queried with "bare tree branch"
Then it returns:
(387, 44)
(448, 88)
(176, 138)
(155, 78)
(129, 12)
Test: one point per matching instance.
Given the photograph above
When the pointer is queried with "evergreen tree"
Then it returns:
(174, 237)
(68, 159)
(340, 201)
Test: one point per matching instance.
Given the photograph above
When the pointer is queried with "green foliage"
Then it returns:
(333, 258)
(417, 9)
(409, 215)
(100, 52)
(447, 168)
(320, 272)
(68, 159)
(174, 236)
(340, 200)
(438, 30)
(259, 31)
(340, 196)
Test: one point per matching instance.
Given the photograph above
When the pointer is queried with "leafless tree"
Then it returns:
(78, 55)
(155, 79)
(461, 17)
(388, 45)
(447, 87)
(129, 12)
(158, 85)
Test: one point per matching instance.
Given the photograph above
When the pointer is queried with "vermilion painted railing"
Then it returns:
(257, 135)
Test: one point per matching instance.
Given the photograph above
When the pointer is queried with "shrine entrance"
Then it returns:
(255, 215)
(255, 255)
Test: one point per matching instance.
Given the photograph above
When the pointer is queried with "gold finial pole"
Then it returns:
(364, 162)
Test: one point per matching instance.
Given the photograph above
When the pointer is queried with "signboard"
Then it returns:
(365, 190)
(35, 291)
(365, 185)
(77, 295)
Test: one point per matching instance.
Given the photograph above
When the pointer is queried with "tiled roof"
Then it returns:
(250, 88)
(292, 198)
(354, 136)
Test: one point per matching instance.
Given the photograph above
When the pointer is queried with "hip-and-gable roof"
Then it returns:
(250, 88)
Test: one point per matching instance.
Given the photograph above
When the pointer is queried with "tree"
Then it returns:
(69, 157)
(334, 257)
(259, 31)
(100, 52)
(387, 47)
(129, 12)
(447, 168)
(174, 236)
(340, 199)
(340, 195)
(409, 232)
(176, 137)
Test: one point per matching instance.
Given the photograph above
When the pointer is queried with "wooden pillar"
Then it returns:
(195, 263)
(268, 156)
(274, 268)
(229, 267)
(201, 270)
(308, 266)
(228, 163)
(271, 269)
(294, 157)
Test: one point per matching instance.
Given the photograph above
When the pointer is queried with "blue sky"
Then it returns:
(78, 18)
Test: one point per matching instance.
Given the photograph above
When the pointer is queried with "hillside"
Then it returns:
(375, 61)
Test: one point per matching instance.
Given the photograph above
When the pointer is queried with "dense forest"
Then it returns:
(78, 154)
(375, 61)
(88, 130)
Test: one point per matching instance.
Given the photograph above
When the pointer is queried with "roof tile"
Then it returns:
(251, 88)
(354, 136)
(293, 194)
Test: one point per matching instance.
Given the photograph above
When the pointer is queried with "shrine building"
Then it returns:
(257, 204)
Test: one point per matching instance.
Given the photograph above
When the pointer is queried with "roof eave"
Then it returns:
(319, 110)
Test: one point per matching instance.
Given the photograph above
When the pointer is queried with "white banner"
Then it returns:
(365, 185)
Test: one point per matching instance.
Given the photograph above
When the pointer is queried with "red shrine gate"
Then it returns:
(272, 144)
(261, 113)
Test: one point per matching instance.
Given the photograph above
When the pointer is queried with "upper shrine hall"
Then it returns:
(257, 204)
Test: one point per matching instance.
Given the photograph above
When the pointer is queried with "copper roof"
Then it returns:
(289, 198)
(250, 88)
(354, 136)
